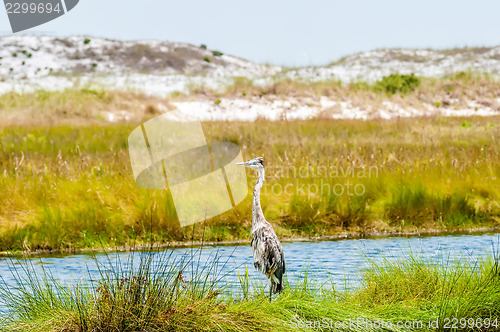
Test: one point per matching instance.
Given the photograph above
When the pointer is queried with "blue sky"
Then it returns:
(288, 32)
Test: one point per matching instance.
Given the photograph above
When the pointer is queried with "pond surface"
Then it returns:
(326, 261)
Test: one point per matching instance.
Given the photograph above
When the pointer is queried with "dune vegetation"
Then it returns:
(66, 181)
(165, 294)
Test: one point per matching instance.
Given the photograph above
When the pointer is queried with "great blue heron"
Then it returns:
(268, 255)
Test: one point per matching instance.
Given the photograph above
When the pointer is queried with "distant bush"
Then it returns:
(203, 46)
(217, 53)
(206, 59)
(397, 83)
(86, 41)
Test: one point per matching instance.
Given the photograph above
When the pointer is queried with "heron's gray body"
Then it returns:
(267, 252)
(268, 257)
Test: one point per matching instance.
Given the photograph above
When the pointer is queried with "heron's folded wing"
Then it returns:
(273, 252)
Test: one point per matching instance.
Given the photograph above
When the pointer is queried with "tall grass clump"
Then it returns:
(439, 289)
(150, 291)
(417, 205)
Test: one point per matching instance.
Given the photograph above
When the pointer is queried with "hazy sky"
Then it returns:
(285, 32)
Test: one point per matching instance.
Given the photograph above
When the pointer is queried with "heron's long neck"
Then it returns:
(257, 214)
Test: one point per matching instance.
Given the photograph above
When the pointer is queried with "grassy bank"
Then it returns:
(72, 187)
(163, 294)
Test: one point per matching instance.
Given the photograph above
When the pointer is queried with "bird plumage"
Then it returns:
(267, 251)
(268, 257)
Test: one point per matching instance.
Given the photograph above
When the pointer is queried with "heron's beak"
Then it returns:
(245, 163)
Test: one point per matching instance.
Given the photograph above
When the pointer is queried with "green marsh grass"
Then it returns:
(67, 187)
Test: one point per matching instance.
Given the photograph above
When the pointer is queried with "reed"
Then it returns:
(68, 187)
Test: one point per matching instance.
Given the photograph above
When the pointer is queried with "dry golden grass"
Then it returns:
(78, 107)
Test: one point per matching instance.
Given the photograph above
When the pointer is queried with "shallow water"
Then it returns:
(326, 261)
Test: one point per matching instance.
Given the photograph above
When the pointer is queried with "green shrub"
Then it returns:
(217, 53)
(396, 83)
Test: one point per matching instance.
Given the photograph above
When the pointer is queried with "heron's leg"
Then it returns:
(270, 293)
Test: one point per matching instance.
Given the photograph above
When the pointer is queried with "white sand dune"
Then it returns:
(30, 63)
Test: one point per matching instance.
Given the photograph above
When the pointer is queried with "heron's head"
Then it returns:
(255, 163)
